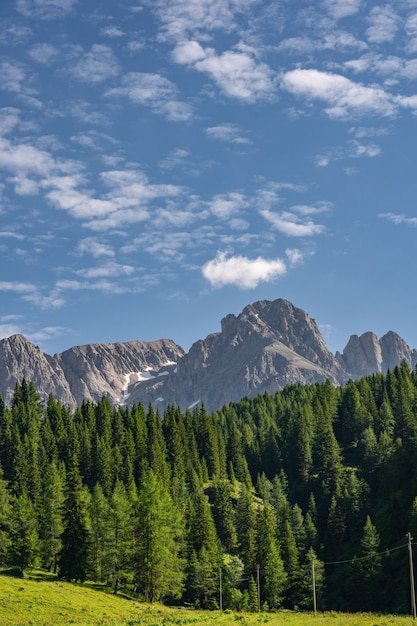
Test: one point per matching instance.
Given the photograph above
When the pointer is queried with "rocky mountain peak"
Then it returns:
(269, 345)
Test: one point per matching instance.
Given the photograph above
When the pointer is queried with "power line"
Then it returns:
(370, 556)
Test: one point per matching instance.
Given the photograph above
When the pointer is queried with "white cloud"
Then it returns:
(384, 24)
(353, 150)
(343, 96)
(227, 132)
(327, 41)
(241, 271)
(154, 91)
(45, 9)
(174, 159)
(17, 287)
(411, 31)
(180, 18)
(96, 248)
(108, 270)
(228, 205)
(399, 218)
(43, 53)
(12, 76)
(295, 256)
(342, 8)
(112, 32)
(237, 72)
(95, 66)
(291, 224)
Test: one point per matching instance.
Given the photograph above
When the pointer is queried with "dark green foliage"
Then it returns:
(107, 492)
(73, 558)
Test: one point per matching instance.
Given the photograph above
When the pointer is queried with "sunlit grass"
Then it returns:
(39, 600)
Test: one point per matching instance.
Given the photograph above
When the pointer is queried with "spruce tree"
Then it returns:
(5, 519)
(73, 559)
(25, 545)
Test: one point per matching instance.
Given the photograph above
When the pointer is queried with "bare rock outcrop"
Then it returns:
(366, 354)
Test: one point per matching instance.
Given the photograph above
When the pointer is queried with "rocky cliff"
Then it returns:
(269, 345)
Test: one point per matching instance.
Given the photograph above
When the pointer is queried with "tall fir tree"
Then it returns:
(73, 559)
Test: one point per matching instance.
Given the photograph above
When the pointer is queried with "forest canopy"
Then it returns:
(176, 505)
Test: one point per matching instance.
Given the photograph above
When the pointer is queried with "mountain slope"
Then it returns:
(269, 345)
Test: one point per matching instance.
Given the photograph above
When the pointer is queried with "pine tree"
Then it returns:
(99, 514)
(223, 515)
(120, 539)
(73, 559)
(273, 575)
(5, 519)
(158, 565)
(51, 512)
(25, 545)
(365, 571)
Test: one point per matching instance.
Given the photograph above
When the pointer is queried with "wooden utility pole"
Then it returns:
(413, 591)
(313, 578)
(221, 589)
(258, 582)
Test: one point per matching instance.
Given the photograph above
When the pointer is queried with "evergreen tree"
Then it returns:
(51, 520)
(273, 575)
(5, 519)
(223, 515)
(25, 545)
(73, 559)
(99, 515)
(121, 533)
(158, 565)
(365, 571)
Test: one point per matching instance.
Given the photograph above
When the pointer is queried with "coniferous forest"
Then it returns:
(179, 506)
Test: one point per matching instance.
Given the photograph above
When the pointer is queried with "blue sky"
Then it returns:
(163, 164)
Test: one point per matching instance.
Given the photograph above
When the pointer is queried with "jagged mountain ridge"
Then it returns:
(269, 345)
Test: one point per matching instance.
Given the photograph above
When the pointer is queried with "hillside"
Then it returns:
(157, 504)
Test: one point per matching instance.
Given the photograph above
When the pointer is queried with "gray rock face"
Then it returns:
(83, 372)
(19, 358)
(269, 345)
(367, 354)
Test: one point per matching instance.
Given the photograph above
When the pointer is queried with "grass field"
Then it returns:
(39, 600)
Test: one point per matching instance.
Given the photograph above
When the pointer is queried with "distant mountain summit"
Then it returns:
(269, 345)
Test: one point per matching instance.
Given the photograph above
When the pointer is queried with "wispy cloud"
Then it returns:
(176, 158)
(344, 98)
(399, 218)
(241, 271)
(95, 66)
(339, 9)
(44, 53)
(238, 73)
(384, 24)
(305, 44)
(155, 92)
(180, 18)
(227, 132)
(291, 224)
(353, 150)
(227, 205)
(45, 9)
(295, 256)
(108, 270)
(91, 245)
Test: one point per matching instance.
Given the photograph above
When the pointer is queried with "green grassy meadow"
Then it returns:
(39, 600)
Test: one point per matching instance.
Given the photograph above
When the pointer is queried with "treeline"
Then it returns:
(199, 508)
